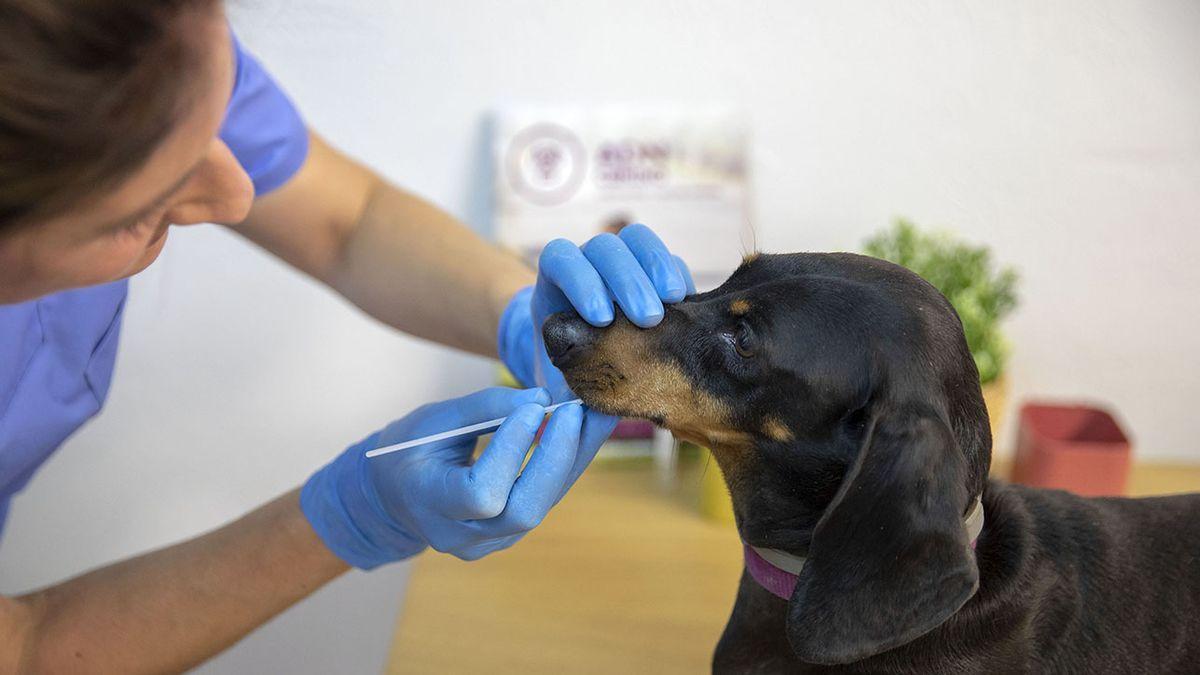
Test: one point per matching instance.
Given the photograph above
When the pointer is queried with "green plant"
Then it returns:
(981, 293)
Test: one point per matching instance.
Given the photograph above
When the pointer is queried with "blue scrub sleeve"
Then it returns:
(262, 127)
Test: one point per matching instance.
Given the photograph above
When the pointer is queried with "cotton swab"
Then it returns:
(479, 428)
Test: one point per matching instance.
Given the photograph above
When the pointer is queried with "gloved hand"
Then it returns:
(633, 268)
(373, 511)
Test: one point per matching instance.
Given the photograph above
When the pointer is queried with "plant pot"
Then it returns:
(1072, 447)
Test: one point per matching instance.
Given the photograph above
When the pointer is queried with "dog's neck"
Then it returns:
(777, 571)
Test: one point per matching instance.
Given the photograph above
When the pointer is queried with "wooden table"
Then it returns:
(623, 577)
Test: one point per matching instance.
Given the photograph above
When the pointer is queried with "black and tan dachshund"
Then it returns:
(840, 400)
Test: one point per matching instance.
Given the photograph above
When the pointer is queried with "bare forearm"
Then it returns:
(395, 255)
(173, 608)
(415, 267)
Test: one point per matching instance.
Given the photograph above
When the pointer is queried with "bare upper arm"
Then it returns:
(307, 220)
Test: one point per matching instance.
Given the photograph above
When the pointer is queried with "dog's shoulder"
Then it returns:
(1063, 518)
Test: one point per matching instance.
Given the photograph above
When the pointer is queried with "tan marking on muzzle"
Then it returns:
(622, 376)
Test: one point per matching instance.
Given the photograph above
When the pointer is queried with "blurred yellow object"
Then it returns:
(715, 503)
(995, 396)
(505, 378)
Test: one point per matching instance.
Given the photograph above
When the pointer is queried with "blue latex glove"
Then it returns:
(633, 268)
(373, 511)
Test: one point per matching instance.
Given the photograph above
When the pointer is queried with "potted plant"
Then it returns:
(981, 292)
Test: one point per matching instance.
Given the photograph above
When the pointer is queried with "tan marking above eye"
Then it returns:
(750, 257)
(776, 430)
(739, 307)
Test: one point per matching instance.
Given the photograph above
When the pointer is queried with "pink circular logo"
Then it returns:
(546, 163)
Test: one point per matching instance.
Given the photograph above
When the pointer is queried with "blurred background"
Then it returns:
(1064, 137)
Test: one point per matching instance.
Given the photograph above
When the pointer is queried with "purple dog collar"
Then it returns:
(777, 571)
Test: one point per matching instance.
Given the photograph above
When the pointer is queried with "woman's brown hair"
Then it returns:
(88, 89)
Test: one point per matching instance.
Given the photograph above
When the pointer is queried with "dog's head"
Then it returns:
(840, 400)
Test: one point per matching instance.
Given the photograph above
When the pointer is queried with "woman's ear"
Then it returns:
(890, 559)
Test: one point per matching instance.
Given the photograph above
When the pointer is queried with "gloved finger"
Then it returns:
(544, 372)
(465, 539)
(547, 299)
(654, 257)
(440, 533)
(597, 427)
(515, 335)
(687, 274)
(487, 547)
(541, 483)
(623, 274)
(549, 377)
(484, 405)
(451, 536)
(481, 490)
(434, 418)
(546, 375)
(565, 267)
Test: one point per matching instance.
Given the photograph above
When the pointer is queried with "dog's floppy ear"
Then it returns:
(889, 559)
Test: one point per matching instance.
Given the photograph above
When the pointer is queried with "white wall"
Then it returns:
(1066, 134)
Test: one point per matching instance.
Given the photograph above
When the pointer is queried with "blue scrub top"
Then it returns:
(57, 352)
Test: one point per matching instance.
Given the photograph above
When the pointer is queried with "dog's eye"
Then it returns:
(744, 342)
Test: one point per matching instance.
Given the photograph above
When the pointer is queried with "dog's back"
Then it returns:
(1090, 585)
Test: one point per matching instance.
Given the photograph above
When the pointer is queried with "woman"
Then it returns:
(118, 120)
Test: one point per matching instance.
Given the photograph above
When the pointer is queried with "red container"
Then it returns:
(1072, 447)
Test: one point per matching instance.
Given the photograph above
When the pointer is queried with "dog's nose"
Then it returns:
(567, 337)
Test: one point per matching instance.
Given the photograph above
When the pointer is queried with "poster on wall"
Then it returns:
(576, 172)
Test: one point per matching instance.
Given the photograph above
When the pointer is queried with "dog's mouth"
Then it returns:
(607, 368)
(687, 413)
(595, 385)
(599, 387)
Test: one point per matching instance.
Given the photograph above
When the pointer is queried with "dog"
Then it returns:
(839, 398)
